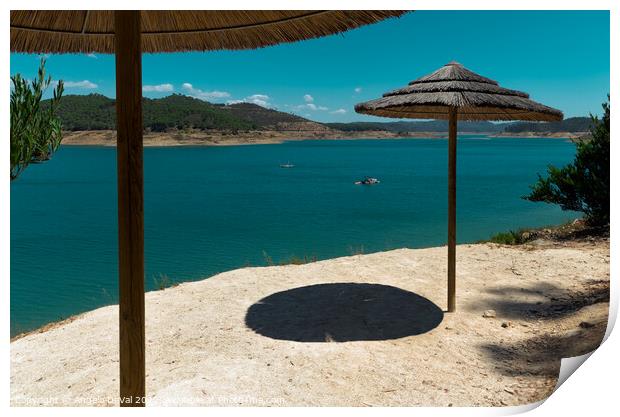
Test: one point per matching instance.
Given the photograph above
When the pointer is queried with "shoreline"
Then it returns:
(541, 297)
(540, 135)
(205, 138)
(548, 236)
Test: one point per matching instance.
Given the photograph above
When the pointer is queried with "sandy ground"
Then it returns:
(365, 330)
(218, 138)
(264, 137)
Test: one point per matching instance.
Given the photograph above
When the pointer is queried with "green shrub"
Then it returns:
(510, 237)
(268, 259)
(163, 281)
(35, 130)
(296, 260)
(582, 185)
(356, 250)
(293, 260)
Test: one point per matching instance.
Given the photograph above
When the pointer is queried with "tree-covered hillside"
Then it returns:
(259, 115)
(97, 112)
(181, 112)
(91, 112)
(572, 124)
(417, 126)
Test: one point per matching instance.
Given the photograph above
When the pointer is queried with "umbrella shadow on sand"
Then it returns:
(342, 312)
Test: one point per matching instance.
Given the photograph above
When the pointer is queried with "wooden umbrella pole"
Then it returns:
(130, 206)
(452, 209)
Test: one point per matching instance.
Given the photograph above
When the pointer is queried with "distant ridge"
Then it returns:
(259, 115)
(179, 112)
(417, 126)
(572, 124)
(270, 119)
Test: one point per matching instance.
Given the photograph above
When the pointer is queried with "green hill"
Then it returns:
(91, 112)
(97, 112)
(260, 116)
(572, 124)
(417, 126)
(181, 112)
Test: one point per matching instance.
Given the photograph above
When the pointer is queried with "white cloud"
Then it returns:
(312, 106)
(308, 98)
(339, 111)
(358, 89)
(92, 55)
(258, 99)
(204, 95)
(159, 88)
(81, 84)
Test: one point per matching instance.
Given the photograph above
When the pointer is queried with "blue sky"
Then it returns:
(560, 58)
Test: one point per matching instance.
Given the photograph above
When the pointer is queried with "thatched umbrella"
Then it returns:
(127, 34)
(455, 93)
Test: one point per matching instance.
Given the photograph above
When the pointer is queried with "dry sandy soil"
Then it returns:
(218, 138)
(365, 330)
(263, 137)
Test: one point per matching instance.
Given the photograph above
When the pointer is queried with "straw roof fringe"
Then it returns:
(73, 31)
(453, 86)
(475, 96)
(453, 71)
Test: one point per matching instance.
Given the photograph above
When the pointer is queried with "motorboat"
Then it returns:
(368, 181)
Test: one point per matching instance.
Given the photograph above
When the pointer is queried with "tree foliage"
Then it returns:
(582, 185)
(572, 124)
(97, 112)
(35, 129)
(178, 112)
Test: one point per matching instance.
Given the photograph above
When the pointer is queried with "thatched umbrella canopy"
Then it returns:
(455, 87)
(87, 31)
(127, 34)
(455, 93)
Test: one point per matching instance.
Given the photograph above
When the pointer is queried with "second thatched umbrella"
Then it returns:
(455, 93)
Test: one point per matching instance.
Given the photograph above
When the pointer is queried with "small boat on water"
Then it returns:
(368, 181)
(287, 165)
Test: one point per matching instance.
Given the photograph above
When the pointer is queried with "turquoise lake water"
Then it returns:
(213, 209)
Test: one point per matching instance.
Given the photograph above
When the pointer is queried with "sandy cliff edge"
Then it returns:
(360, 330)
